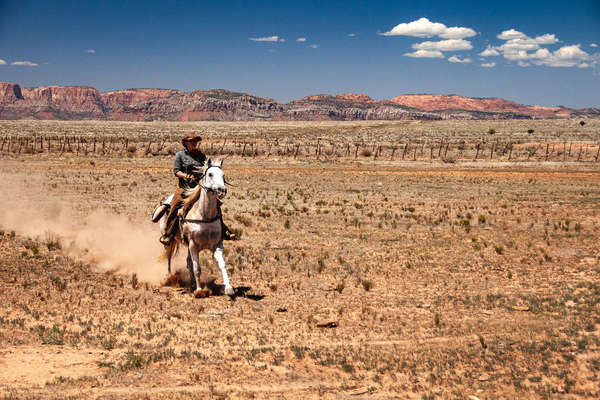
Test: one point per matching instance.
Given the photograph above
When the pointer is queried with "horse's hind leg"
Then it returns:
(170, 250)
(218, 255)
(190, 267)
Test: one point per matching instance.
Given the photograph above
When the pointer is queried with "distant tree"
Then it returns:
(491, 131)
(530, 131)
(582, 123)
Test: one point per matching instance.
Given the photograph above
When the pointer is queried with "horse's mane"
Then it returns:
(190, 196)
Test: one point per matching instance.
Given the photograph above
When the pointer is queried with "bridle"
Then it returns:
(211, 190)
(203, 175)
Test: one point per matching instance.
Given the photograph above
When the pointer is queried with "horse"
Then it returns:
(201, 228)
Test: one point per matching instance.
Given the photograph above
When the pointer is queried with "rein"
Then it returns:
(202, 221)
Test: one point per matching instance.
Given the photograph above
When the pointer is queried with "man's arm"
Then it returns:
(178, 168)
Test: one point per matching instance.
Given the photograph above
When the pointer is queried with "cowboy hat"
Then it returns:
(191, 137)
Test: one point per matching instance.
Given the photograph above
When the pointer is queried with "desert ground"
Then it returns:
(360, 273)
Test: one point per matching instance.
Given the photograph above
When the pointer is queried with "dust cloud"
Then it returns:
(111, 243)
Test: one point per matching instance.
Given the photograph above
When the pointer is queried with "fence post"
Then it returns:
(477, 152)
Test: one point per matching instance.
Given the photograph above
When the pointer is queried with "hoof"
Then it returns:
(173, 279)
(229, 291)
(201, 293)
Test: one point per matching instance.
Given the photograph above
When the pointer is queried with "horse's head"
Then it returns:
(213, 178)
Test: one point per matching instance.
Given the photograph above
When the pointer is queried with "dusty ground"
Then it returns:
(356, 279)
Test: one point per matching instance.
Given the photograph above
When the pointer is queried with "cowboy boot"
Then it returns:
(227, 233)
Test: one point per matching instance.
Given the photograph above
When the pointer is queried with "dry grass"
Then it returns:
(381, 279)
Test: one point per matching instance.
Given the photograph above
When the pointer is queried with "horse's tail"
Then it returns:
(171, 249)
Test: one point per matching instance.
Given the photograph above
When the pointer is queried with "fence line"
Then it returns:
(442, 150)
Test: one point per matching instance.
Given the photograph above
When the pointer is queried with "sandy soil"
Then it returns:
(354, 280)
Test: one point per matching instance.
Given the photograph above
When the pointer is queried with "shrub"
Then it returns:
(367, 285)
(50, 335)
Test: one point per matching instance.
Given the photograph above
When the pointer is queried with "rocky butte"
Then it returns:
(82, 102)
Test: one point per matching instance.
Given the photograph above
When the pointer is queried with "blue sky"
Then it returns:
(538, 52)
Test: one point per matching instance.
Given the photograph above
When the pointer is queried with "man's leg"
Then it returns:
(172, 225)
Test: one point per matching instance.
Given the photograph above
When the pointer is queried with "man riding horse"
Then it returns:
(187, 168)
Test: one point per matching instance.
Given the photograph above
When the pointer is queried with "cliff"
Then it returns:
(81, 102)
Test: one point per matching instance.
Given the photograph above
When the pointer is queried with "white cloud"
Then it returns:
(527, 51)
(2, 62)
(313, 46)
(489, 51)
(425, 54)
(351, 35)
(420, 28)
(91, 51)
(455, 59)
(489, 65)
(515, 45)
(593, 45)
(282, 40)
(546, 39)
(274, 38)
(424, 28)
(458, 33)
(24, 64)
(511, 34)
(444, 45)
(301, 39)
(566, 56)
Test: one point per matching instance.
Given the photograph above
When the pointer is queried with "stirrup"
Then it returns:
(165, 240)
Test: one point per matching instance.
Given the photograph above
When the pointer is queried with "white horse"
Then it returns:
(201, 228)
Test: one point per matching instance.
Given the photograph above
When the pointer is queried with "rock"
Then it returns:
(81, 102)
(359, 391)
(484, 377)
(327, 324)
(570, 303)
(433, 102)
(471, 397)
(9, 93)
(520, 307)
(354, 97)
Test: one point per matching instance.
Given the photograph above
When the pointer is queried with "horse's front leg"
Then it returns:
(193, 254)
(218, 255)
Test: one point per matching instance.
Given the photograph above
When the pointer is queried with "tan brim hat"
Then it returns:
(191, 137)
